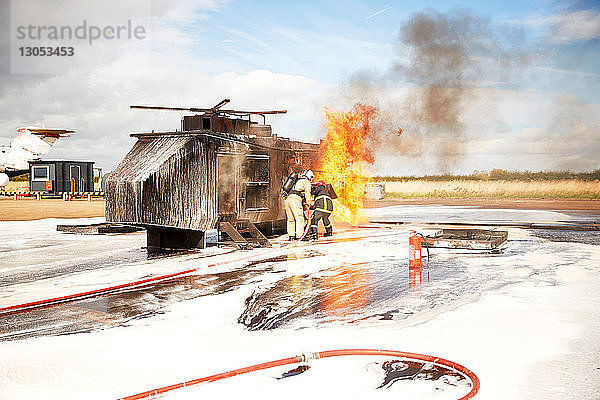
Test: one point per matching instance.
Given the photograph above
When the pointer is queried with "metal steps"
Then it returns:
(244, 233)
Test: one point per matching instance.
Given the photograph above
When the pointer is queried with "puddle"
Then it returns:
(296, 371)
(117, 309)
(120, 308)
(67, 267)
(343, 293)
(585, 237)
(340, 240)
(399, 370)
(379, 291)
(287, 257)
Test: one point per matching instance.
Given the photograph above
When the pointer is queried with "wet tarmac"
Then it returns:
(585, 237)
(119, 309)
(382, 289)
(66, 267)
(379, 290)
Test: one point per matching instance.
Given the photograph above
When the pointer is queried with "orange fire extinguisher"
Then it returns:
(414, 251)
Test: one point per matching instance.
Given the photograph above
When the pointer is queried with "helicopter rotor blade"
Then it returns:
(209, 110)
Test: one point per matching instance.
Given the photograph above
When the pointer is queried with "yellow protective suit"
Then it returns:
(293, 207)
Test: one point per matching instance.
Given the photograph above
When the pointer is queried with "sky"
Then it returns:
(474, 85)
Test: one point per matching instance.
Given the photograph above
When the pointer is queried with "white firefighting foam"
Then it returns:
(525, 321)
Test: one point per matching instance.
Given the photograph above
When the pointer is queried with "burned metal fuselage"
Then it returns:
(219, 167)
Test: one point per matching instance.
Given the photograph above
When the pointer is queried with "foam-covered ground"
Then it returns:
(526, 321)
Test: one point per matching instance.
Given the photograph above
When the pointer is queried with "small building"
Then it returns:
(375, 191)
(220, 171)
(57, 177)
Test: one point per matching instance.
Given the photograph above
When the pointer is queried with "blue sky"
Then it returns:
(541, 112)
(332, 39)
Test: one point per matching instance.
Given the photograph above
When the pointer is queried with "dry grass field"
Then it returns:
(468, 188)
(16, 186)
(510, 189)
(31, 209)
(24, 186)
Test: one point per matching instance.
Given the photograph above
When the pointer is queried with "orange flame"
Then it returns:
(344, 154)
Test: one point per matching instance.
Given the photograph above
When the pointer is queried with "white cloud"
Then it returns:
(164, 69)
(98, 106)
(570, 27)
(502, 127)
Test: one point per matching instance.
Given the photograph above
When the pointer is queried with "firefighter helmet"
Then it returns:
(309, 174)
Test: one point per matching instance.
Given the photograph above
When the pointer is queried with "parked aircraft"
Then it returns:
(29, 145)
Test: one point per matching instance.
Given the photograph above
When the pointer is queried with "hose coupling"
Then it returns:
(305, 357)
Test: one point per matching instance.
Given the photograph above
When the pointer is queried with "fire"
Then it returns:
(344, 155)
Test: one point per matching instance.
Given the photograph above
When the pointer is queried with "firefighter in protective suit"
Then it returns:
(293, 205)
(322, 210)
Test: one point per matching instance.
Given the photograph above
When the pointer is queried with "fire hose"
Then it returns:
(134, 285)
(309, 216)
(139, 284)
(92, 293)
(426, 245)
(18, 308)
(475, 384)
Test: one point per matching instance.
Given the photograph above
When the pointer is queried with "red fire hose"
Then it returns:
(92, 293)
(306, 229)
(18, 308)
(313, 356)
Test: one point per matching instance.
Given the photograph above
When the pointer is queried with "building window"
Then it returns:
(41, 173)
(257, 169)
(257, 197)
(257, 182)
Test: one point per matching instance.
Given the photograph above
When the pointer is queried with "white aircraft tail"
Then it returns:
(29, 145)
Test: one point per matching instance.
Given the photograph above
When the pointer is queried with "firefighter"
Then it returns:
(322, 210)
(294, 209)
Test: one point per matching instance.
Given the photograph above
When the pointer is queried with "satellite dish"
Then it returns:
(3, 180)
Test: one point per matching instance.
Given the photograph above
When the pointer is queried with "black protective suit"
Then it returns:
(322, 210)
